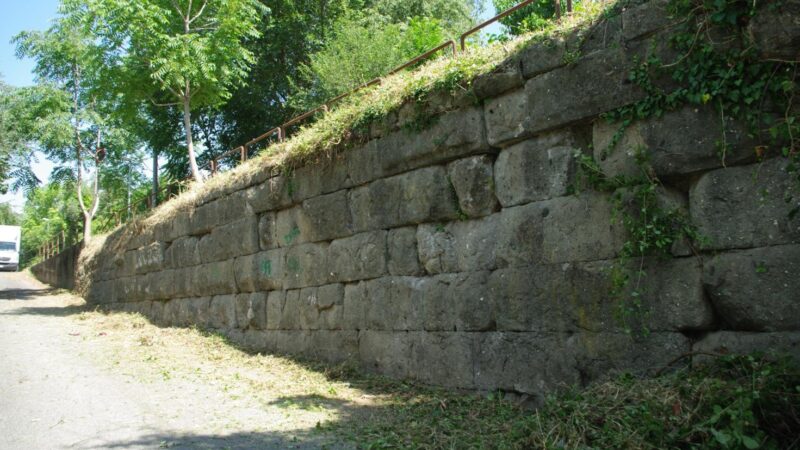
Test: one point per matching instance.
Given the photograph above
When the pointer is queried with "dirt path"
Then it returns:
(59, 389)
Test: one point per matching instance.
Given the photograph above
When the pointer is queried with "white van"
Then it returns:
(10, 241)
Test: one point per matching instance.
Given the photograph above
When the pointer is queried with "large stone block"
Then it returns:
(272, 194)
(603, 355)
(150, 258)
(333, 346)
(643, 20)
(459, 246)
(502, 79)
(358, 257)
(520, 239)
(227, 241)
(541, 57)
(453, 135)
(276, 301)
(222, 312)
(325, 175)
(528, 363)
(326, 217)
(445, 359)
(595, 84)
(394, 303)
(321, 308)
(679, 142)
(473, 181)
(529, 172)
(580, 228)
(403, 255)
(264, 271)
(388, 352)
(747, 206)
(733, 342)
(423, 195)
(268, 231)
(756, 290)
(251, 311)
(458, 302)
(306, 265)
(775, 30)
(214, 278)
(291, 227)
(355, 305)
(182, 253)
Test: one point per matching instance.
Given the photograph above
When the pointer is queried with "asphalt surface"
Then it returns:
(52, 395)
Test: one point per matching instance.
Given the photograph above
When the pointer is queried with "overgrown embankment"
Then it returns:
(595, 203)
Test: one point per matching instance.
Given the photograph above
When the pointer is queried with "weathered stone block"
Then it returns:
(602, 355)
(326, 217)
(520, 240)
(529, 363)
(356, 303)
(150, 258)
(458, 302)
(453, 135)
(541, 57)
(423, 195)
(643, 20)
(775, 30)
(230, 240)
(306, 265)
(445, 359)
(597, 83)
(580, 228)
(473, 181)
(268, 231)
(679, 142)
(264, 271)
(756, 290)
(459, 246)
(214, 278)
(403, 256)
(328, 174)
(197, 311)
(733, 342)
(275, 303)
(222, 312)
(290, 317)
(388, 352)
(272, 194)
(503, 79)
(332, 346)
(251, 310)
(291, 227)
(359, 257)
(182, 253)
(363, 162)
(746, 206)
(529, 172)
(394, 303)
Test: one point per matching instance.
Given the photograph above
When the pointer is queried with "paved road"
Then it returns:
(53, 396)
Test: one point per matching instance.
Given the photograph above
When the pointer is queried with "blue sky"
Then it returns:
(16, 16)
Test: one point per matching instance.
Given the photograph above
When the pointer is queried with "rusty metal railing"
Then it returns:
(53, 246)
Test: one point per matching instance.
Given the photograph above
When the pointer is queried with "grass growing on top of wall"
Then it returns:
(334, 129)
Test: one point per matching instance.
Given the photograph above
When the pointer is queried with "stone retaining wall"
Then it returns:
(59, 271)
(457, 256)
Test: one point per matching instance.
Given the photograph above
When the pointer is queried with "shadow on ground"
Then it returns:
(302, 439)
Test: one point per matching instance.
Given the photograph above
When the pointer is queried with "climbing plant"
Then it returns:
(716, 64)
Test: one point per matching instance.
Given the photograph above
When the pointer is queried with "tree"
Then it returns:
(49, 211)
(369, 43)
(66, 122)
(16, 152)
(7, 215)
(191, 52)
(530, 18)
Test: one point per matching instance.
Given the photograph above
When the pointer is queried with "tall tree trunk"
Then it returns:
(187, 127)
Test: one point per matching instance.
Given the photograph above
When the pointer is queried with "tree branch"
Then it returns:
(199, 13)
